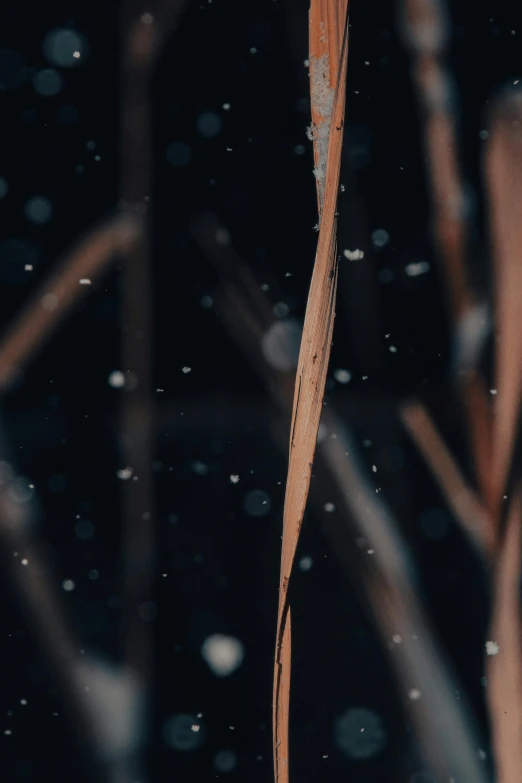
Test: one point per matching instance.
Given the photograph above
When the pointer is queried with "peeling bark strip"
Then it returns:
(328, 59)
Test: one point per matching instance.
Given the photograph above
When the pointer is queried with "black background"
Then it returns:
(61, 419)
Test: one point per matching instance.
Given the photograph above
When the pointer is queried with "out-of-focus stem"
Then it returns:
(86, 261)
(384, 578)
(462, 500)
(425, 33)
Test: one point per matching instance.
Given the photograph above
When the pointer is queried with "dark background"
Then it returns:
(60, 420)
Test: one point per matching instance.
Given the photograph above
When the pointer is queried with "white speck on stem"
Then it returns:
(492, 648)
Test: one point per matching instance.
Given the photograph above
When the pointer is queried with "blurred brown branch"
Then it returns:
(493, 429)
(145, 28)
(504, 178)
(101, 701)
(503, 666)
(61, 291)
(108, 718)
(426, 33)
(461, 499)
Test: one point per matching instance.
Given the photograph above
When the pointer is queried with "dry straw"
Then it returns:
(491, 515)
(385, 581)
(110, 722)
(328, 60)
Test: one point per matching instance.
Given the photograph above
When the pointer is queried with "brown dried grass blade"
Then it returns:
(463, 502)
(476, 401)
(425, 31)
(26, 569)
(386, 580)
(504, 178)
(51, 303)
(444, 726)
(328, 56)
(504, 670)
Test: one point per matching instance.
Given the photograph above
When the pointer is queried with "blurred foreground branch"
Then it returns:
(64, 288)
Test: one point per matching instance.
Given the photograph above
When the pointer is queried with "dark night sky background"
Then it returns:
(60, 420)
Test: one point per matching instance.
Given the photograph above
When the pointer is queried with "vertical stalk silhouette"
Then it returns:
(328, 60)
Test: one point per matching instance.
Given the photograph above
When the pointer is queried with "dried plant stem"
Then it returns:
(61, 291)
(443, 726)
(462, 500)
(383, 579)
(502, 555)
(492, 436)
(476, 402)
(145, 28)
(504, 177)
(138, 47)
(144, 34)
(425, 32)
(25, 566)
(504, 670)
(328, 23)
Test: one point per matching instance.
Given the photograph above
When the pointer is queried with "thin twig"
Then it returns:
(87, 260)
(26, 568)
(504, 671)
(425, 31)
(444, 727)
(504, 177)
(145, 29)
(138, 49)
(462, 500)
